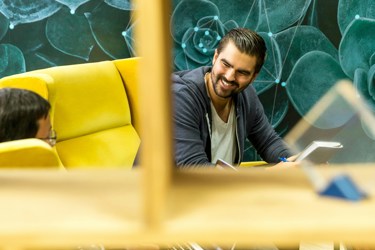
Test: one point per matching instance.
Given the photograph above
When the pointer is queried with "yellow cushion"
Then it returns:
(92, 116)
(27, 153)
(22, 81)
(112, 147)
(88, 98)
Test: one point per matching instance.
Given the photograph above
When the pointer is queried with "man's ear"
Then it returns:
(215, 57)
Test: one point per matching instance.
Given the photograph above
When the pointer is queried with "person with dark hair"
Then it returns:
(24, 114)
(216, 108)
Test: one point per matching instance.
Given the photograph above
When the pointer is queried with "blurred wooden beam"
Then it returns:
(154, 46)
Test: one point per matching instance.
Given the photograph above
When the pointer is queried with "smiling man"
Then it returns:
(216, 108)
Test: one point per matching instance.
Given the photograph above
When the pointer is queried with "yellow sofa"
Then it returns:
(94, 110)
(27, 153)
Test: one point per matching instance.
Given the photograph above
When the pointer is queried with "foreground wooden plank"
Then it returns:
(44, 208)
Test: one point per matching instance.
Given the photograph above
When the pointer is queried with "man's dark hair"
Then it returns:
(20, 111)
(248, 42)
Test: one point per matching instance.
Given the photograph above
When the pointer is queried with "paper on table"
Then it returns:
(319, 151)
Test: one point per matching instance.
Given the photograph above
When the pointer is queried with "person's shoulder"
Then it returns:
(249, 98)
(249, 93)
(190, 76)
(189, 79)
(250, 90)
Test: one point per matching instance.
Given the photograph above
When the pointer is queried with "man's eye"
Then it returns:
(226, 64)
(243, 73)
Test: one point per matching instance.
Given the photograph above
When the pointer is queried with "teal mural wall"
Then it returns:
(311, 43)
(43, 33)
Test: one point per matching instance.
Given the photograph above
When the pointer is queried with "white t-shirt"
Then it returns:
(223, 137)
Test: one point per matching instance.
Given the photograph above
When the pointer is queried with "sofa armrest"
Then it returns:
(28, 153)
(128, 69)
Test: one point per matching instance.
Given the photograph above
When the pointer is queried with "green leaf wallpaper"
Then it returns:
(48, 33)
(311, 43)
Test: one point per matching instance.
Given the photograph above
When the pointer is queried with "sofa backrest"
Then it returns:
(90, 113)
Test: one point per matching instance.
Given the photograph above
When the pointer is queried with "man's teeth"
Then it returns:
(227, 83)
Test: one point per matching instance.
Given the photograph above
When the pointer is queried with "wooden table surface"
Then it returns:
(44, 208)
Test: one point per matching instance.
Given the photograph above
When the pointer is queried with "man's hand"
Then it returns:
(286, 163)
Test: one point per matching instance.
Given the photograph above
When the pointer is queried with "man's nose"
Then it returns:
(230, 75)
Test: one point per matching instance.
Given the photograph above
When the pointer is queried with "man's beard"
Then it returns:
(217, 87)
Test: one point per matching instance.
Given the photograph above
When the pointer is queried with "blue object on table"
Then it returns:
(283, 159)
(342, 186)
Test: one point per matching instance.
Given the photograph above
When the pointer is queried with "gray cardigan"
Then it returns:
(192, 122)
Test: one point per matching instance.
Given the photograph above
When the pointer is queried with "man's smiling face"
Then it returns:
(232, 71)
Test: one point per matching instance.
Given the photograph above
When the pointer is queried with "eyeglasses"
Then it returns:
(51, 139)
